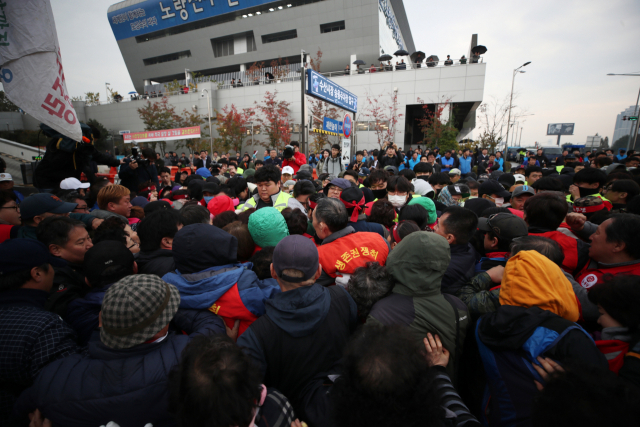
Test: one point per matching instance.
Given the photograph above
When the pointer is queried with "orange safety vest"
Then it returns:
(344, 255)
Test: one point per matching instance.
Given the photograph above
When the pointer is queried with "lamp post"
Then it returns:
(520, 141)
(635, 136)
(106, 89)
(209, 113)
(506, 141)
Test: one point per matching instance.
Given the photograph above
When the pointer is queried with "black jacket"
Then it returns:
(384, 160)
(461, 268)
(133, 178)
(68, 285)
(543, 160)
(199, 163)
(158, 262)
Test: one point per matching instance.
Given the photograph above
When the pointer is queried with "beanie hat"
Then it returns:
(267, 227)
(429, 205)
(220, 203)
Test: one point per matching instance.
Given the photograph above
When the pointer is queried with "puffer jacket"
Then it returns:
(128, 387)
(416, 300)
(333, 166)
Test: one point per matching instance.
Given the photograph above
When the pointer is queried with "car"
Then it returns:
(552, 153)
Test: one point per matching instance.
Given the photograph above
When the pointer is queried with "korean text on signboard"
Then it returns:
(154, 15)
(560, 128)
(162, 135)
(332, 125)
(323, 88)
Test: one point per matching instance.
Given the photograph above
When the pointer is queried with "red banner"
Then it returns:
(162, 135)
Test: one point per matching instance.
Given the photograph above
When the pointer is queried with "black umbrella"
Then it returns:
(417, 56)
(385, 57)
(432, 61)
(401, 52)
(359, 62)
(480, 50)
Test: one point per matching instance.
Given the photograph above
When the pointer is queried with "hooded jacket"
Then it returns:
(333, 166)
(301, 338)
(416, 300)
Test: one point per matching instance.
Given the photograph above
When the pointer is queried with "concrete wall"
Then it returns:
(463, 83)
(18, 150)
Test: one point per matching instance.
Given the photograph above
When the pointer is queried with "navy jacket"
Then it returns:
(82, 313)
(158, 262)
(30, 338)
(460, 270)
(126, 386)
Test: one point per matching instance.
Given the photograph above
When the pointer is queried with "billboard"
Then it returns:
(560, 128)
(323, 88)
(155, 15)
(162, 135)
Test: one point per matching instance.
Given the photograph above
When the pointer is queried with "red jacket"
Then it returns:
(298, 160)
(345, 254)
(591, 274)
(569, 246)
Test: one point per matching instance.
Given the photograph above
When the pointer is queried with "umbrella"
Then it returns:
(417, 56)
(385, 57)
(401, 52)
(132, 93)
(432, 60)
(480, 50)
(359, 62)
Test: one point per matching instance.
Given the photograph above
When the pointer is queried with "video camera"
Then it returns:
(135, 157)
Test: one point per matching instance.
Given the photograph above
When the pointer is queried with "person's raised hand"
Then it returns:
(133, 164)
(233, 332)
(575, 191)
(38, 420)
(95, 223)
(548, 367)
(496, 273)
(575, 221)
(437, 355)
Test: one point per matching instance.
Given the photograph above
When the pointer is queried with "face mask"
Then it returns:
(397, 201)
(208, 199)
(379, 194)
(499, 201)
(584, 192)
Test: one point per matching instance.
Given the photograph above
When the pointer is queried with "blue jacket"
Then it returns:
(82, 313)
(126, 386)
(447, 165)
(501, 162)
(412, 162)
(465, 164)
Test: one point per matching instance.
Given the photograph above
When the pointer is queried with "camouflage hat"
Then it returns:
(136, 308)
(588, 204)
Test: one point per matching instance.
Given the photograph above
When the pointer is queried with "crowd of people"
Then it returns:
(421, 288)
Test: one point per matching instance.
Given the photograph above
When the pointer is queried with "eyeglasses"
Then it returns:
(493, 228)
(16, 207)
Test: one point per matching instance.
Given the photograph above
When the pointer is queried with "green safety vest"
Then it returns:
(239, 171)
(559, 168)
(280, 204)
(604, 199)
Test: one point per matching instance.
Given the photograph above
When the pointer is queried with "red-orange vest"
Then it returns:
(569, 246)
(344, 255)
(590, 276)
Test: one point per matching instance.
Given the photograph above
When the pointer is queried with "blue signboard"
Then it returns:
(154, 15)
(332, 125)
(323, 88)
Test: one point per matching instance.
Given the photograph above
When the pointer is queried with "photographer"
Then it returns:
(388, 156)
(293, 157)
(139, 171)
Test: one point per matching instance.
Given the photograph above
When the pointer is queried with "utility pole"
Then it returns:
(303, 77)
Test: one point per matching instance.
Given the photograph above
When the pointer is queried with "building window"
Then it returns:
(222, 47)
(166, 58)
(331, 27)
(278, 37)
(251, 43)
(362, 126)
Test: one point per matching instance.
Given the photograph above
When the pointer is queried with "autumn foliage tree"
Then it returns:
(383, 112)
(274, 121)
(232, 126)
(190, 118)
(158, 116)
(437, 128)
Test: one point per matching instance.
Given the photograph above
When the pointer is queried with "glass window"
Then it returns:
(277, 37)
(166, 58)
(222, 47)
(332, 26)
(362, 126)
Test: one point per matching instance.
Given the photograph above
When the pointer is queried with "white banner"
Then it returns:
(32, 73)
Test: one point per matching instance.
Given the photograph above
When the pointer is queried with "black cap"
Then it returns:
(493, 187)
(40, 203)
(298, 253)
(504, 225)
(459, 190)
(24, 254)
(210, 187)
(156, 206)
(507, 179)
(107, 259)
(303, 174)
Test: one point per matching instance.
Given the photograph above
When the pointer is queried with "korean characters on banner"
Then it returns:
(32, 72)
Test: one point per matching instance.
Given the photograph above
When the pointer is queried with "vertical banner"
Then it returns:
(346, 150)
(31, 65)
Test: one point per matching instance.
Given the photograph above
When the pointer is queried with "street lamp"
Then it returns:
(506, 142)
(209, 113)
(634, 112)
(106, 88)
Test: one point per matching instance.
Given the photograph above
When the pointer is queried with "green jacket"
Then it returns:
(416, 300)
(479, 296)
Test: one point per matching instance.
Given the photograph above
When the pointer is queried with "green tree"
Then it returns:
(159, 116)
(5, 104)
(438, 128)
(92, 98)
(190, 119)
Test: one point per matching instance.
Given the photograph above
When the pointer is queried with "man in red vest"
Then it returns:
(615, 248)
(544, 213)
(342, 250)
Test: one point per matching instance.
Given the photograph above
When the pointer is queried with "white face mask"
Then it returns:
(499, 201)
(397, 201)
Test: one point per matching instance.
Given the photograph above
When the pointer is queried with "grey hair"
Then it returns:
(547, 247)
(333, 213)
(368, 285)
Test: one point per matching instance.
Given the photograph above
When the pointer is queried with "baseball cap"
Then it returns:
(523, 189)
(391, 169)
(504, 225)
(287, 169)
(24, 254)
(520, 178)
(364, 171)
(296, 252)
(5, 177)
(588, 204)
(107, 260)
(40, 203)
(459, 190)
(507, 179)
(303, 174)
(493, 187)
(136, 308)
(338, 182)
(210, 187)
(73, 184)
(455, 171)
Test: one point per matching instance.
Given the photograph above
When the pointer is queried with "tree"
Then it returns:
(190, 118)
(383, 112)
(493, 116)
(101, 143)
(279, 68)
(5, 104)
(620, 143)
(275, 123)
(158, 116)
(437, 126)
(320, 109)
(92, 98)
(232, 126)
(173, 86)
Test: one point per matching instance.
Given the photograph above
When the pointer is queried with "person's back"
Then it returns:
(156, 233)
(302, 335)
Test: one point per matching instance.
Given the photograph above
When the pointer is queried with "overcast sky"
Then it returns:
(572, 45)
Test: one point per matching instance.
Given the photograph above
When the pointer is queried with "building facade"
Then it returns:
(624, 127)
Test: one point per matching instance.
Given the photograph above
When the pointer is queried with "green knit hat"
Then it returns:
(267, 227)
(428, 204)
